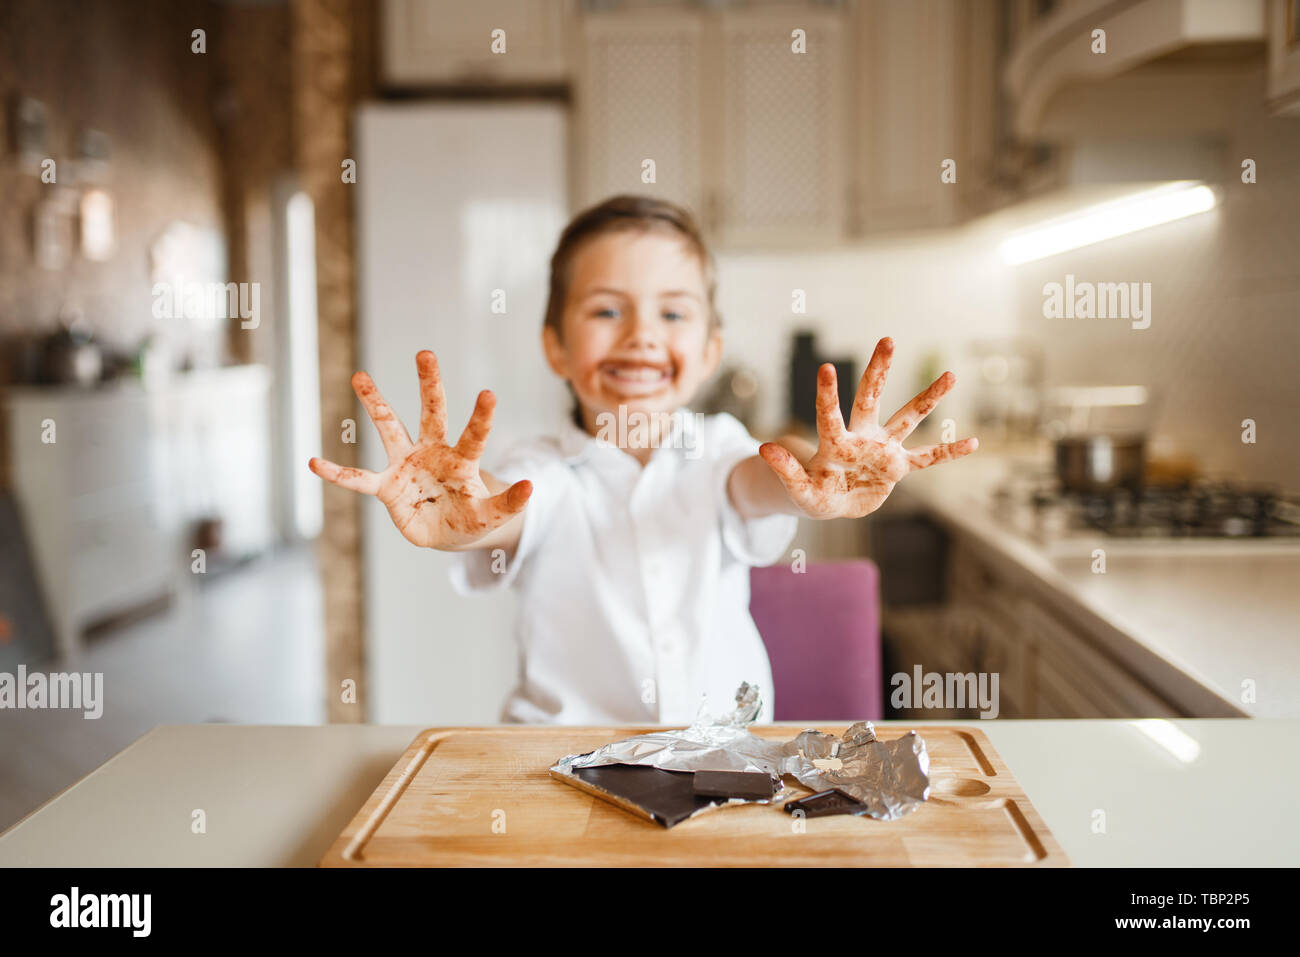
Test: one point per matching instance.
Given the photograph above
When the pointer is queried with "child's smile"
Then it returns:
(637, 377)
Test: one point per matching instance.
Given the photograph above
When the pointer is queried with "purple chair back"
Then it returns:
(822, 632)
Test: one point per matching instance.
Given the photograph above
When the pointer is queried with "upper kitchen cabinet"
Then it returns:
(639, 101)
(793, 123)
(739, 114)
(780, 149)
(908, 113)
(444, 42)
(990, 164)
(1284, 56)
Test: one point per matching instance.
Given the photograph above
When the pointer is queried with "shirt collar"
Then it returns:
(576, 444)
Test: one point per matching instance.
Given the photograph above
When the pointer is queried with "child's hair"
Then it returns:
(619, 214)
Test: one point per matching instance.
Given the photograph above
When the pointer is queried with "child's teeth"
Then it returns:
(643, 374)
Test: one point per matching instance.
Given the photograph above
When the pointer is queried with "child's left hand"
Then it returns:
(854, 469)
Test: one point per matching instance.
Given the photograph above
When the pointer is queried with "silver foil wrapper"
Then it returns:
(891, 778)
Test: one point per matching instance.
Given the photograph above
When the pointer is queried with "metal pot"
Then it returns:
(72, 358)
(1100, 462)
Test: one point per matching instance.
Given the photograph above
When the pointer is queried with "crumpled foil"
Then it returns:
(891, 778)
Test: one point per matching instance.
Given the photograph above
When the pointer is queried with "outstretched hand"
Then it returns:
(434, 492)
(854, 469)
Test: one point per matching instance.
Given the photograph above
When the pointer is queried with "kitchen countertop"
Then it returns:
(1196, 619)
(1207, 792)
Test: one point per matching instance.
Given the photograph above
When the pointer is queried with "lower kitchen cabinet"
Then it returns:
(111, 482)
(1056, 671)
(1046, 667)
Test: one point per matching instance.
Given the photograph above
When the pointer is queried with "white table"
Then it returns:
(1214, 793)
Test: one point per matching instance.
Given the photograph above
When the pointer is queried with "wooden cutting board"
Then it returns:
(485, 796)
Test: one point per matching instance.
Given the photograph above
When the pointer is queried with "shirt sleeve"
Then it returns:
(753, 541)
(487, 569)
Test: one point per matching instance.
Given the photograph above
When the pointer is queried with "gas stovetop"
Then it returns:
(1199, 511)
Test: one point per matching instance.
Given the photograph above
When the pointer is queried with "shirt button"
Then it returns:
(668, 642)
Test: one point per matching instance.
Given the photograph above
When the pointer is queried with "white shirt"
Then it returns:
(633, 582)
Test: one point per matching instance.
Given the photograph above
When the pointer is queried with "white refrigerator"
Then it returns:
(459, 208)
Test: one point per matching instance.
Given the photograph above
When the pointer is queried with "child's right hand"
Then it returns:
(435, 492)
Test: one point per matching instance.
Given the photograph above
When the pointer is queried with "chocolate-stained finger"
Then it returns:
(928, 455)
(357, 480)
(505, 505)
(788, 470)
(866, 404)
(433, 400)
(397, 443)
(830, 420)
(907, 418)
(474, 439)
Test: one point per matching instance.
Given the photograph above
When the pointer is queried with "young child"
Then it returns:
(629, 536)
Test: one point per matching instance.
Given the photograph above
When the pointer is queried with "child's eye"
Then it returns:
(607, 313)
(670, 314)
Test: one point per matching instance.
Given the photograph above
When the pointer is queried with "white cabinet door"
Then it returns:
(780, 170)
(1284, 56)
(639, 102)
(906, 126)
(976, 139)
(110, 503)
(1074, 676)
(227, 431)
(741, 119)
(451, 41)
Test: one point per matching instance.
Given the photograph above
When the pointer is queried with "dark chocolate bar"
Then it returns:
(826, 803)
(747, 785)
(667, 796)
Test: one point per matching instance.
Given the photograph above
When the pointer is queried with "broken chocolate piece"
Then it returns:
(667, 797)
(746, 785)
(826, 803)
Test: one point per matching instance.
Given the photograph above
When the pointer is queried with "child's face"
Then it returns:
(636, 326)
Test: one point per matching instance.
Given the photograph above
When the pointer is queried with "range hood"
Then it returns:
(1156, 107)
(1170, 68)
